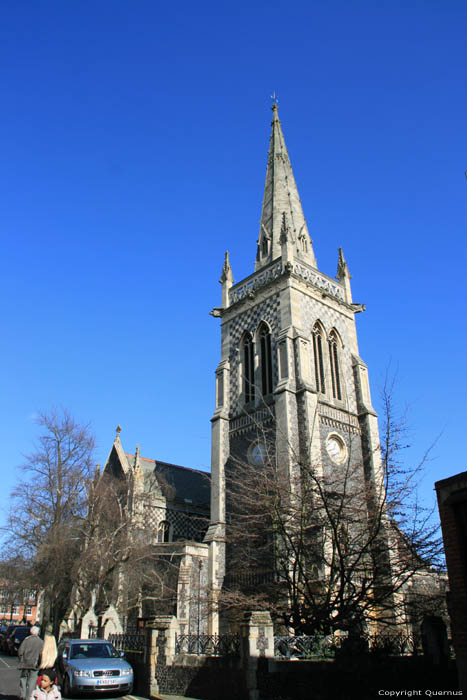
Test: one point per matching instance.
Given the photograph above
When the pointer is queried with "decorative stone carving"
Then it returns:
(320, 281)
(257, 281)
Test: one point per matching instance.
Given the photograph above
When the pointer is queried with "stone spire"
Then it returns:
(281, 196)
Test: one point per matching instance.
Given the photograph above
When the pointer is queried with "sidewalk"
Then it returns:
(159, 697)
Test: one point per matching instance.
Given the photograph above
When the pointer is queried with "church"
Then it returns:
(290, 381)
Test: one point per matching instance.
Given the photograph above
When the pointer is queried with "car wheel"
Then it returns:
(66, 692)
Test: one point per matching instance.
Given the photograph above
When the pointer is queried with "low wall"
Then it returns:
(209, 678)
(358, 678)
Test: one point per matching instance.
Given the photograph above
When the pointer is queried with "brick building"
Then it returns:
(16, 604)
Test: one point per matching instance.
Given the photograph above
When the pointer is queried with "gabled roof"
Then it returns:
(190, 486)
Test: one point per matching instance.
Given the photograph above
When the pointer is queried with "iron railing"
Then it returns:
(208, 644)
(325, 646)
(127, 642)
(306, 646)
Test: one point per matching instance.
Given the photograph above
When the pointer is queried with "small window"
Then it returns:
(318, 356)
(163, 531)
(265, 246)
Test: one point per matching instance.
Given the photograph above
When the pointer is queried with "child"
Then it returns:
(46, 689)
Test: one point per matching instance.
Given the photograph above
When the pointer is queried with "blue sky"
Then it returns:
(134, 141)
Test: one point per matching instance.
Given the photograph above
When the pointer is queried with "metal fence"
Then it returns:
(319, 646)
(208, 644)
(306, 646)
(127, 642)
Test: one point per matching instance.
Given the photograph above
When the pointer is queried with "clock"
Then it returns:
(335, 447)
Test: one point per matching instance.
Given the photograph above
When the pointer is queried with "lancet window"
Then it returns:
(248, 369)
(318, 343)
(334, 365)
(265, 359)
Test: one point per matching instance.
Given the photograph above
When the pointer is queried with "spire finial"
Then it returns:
(274, 107)
(118, 430)
(342, 268)
(136, 462)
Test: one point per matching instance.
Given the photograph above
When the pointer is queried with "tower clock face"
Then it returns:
(336, 449)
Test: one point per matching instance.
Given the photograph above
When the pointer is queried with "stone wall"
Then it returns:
(209, 678)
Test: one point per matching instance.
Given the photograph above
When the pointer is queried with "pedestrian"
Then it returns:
(29, 654)
(49, 651)
(46, 689)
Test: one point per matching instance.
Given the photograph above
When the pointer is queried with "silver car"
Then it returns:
(92, 665)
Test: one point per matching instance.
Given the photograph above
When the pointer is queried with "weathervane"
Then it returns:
(274, 98)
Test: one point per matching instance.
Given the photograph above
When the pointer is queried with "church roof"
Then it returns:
(281, 203)
(191, 486)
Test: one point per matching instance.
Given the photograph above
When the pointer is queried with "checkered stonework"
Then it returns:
(330, 317)
(248, 320)
(184, 525)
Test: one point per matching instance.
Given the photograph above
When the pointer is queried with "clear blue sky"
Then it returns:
(133, 154)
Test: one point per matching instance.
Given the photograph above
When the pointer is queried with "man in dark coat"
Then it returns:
(29, 654)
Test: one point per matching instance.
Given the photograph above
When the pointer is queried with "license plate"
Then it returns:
(108, 681)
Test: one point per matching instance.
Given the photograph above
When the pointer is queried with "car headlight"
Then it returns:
(82, 674)
(126, 672)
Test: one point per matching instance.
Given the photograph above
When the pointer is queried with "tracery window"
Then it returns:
(163, 531)
(248, 369)
(334, 366)
(265, 359)
(318, 341)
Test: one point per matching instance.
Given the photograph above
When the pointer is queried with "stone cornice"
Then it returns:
(247, 288)
(335, 418)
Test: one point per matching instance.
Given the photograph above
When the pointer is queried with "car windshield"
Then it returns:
(23, 632)
(92, 651)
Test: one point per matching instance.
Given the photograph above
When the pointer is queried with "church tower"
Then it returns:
(289, 356)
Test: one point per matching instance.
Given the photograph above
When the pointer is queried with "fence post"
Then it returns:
(257, 642)
(159, 650)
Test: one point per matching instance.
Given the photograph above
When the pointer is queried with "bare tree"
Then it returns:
(327, 549)
(120, 562)
(48, 507)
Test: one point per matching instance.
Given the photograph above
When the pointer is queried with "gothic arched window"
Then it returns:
(318, 342)
(265, 246)
(163, 531)
(248, 368)
(265, 359)
(334, 366)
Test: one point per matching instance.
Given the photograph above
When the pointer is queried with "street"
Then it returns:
(9, 678)
(9, 682)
